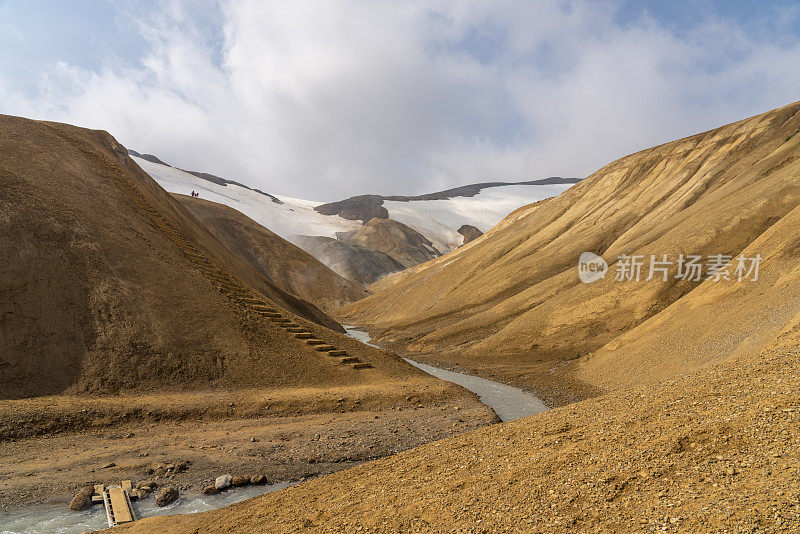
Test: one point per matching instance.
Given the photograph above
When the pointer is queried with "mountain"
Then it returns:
(286, 265)
(436, 216)
(402, 243)
(696, 427)
(286, 217)
(511, 304)
(350, 260)
(110, 284)
(379, 248)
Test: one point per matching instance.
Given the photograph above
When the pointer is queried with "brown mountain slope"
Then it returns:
(350, 260)
(288, 266)
(402, 243)
(109, 284)
(511, 304)
(712, 451)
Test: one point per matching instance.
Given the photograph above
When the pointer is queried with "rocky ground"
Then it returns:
(711, 451)
(51, 447)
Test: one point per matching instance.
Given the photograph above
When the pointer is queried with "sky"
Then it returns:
(327, 99)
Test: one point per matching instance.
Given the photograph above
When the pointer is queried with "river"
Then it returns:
(508, 402)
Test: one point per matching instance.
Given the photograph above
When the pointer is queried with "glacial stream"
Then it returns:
(57, 519)
(508, 402)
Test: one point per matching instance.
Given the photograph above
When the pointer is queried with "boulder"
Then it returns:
(141, 493)
(147, 483)
(82, 499)
(223, 482)
(240, 481)
(166, 496)
(258, 480)
(210, 490)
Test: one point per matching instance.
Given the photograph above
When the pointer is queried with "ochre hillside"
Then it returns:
(511, 304)
(711, 451)
(286, 265)
(110, 284)
(404, 244)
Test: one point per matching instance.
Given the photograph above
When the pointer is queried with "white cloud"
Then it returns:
(327, 99)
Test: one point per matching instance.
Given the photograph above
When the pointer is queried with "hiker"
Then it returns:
(192, 193)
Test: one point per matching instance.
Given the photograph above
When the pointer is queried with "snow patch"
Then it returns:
(295, 216)
(439, 220)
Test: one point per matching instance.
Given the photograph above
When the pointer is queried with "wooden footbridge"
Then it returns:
(117, 501)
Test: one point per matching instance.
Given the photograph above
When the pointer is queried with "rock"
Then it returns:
(183, 466)
(210, 490)
(166, 496)
(149, 483)
(469, 232)
(258, 480)
(82, 500)
(223, 482)
(109, 466)
(240, 481)
(141, 493)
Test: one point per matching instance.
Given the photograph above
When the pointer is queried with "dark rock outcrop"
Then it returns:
(469, 232)
(361, 207)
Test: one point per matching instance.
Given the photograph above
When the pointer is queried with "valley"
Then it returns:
(675, 407)
(658, 417)
(399, 267)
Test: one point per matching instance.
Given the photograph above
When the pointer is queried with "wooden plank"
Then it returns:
(130, 507)
(107, 505)
(119, 505)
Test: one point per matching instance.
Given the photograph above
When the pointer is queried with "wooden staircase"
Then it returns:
(223, 281)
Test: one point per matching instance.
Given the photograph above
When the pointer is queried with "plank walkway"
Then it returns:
(117, 502)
